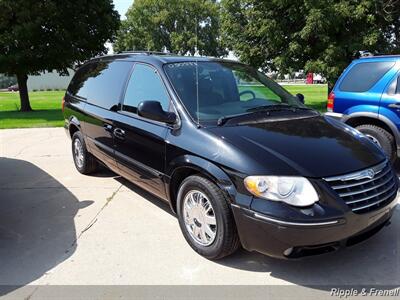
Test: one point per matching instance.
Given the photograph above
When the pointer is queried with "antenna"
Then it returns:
(196, 36)
(197, 93)
(197, 76)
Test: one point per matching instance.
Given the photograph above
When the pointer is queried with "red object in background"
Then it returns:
(331, 102)
(310, 78)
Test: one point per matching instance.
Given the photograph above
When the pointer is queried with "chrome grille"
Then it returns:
(366, 190)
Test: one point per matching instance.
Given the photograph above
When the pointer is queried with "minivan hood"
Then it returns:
(312, 147)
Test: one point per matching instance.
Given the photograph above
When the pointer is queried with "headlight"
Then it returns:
(297, 191)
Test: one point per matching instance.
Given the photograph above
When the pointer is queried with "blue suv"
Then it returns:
(367, 97)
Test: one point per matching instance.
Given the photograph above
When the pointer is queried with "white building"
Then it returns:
(49, 80)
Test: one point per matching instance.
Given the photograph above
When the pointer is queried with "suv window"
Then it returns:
(144, 84)
(363, 76)
(100, 83)
(394, 87)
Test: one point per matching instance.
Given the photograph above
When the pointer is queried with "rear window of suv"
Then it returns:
(100, 83)
(363, 76)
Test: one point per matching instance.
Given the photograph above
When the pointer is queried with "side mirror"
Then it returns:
(153, 110)
(300, 97)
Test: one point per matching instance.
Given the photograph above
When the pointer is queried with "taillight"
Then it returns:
(63, 104)
(331, 102)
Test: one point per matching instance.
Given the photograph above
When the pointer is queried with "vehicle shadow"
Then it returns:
(37, 230)
(103, 172)
(159, 203)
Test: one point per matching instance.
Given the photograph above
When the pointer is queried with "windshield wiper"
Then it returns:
(222, 120)
(277, 107)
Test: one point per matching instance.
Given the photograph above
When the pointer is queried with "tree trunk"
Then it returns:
(23, 92)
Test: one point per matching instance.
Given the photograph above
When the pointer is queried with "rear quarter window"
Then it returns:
(363, 76)
(394, 87)
(100, 83)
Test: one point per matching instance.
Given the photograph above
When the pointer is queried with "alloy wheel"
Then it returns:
(199, 218)
(78, 153)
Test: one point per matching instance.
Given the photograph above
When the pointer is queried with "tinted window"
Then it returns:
(363, 76)
(78, 81)
(144, 84)
(100, 83)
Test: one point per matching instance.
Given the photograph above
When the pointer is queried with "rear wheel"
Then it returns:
(380, 137)
(206, 219)
(85, 163)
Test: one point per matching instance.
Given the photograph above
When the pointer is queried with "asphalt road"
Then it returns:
(58, 227)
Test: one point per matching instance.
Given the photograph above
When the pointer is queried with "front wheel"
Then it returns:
(380, 137)
(206, 219)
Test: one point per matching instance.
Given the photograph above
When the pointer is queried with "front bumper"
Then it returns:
(284, 238)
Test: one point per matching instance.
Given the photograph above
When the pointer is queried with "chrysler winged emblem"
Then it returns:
(370, 173)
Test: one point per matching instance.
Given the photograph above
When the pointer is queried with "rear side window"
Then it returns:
(394, 87)
(363, 76)
(144, 84)
(100, 83)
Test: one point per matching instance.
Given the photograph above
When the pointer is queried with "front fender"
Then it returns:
(205, 167)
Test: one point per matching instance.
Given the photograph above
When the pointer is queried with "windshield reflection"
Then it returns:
(213, 90)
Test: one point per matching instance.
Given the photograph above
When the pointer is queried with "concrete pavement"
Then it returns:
(58, 227)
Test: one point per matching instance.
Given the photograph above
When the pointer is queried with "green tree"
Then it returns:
(6, 81)
(39, 35)
(321, 36)
(179, 26)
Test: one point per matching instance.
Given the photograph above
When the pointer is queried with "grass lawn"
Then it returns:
(47, 106)
(315, 95)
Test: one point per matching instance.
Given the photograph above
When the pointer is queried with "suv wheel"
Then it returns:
(85, 163)
(380, 137)
(206, 219)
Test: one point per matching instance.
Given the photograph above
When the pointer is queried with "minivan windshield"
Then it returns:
(213, 90)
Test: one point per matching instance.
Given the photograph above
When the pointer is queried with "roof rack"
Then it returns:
(381, 55)
(144, 52)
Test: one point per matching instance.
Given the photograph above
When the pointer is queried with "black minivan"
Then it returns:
(239, 159)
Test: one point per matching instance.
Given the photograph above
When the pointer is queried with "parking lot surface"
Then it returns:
(58, 227)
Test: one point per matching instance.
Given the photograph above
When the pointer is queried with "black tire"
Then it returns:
(89, 164)
(384, 138)
(226, 239)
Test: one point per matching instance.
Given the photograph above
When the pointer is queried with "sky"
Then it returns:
(122, 6)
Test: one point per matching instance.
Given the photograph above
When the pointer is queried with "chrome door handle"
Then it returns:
(119, 133)
(394, 105)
